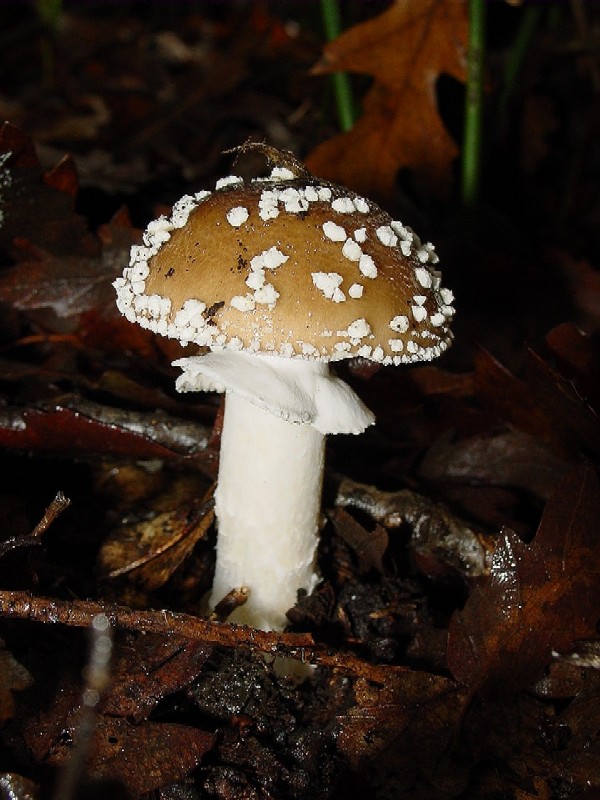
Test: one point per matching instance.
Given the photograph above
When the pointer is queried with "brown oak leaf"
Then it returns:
(537, 599)
(405, 49)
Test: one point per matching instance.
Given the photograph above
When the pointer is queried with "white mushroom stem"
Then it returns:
(267, 506)
(277, 412)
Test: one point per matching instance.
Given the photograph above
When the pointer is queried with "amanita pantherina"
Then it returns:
(273, 279)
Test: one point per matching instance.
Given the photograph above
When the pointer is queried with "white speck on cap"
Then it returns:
(447, 296)
(412, 347)
(419, 313)
(377, 354)
(396, 345)
(351, 250)
(437, 319)
(386, 236)
(342, 347)
(256, 279)
(328, 283)
(228, 180)
(424, 277)
(281, 174)
(419, 299)
(311, 194)
(293, 200)
(237, 216)
(267, 205)
(360, 235)
(367, 266)
(359, 329)
(360, 204)
(399, 324)
(243, 302)
(364, 351)
(334, 232)
(403, 231)
(356, 291)
(343, 205)
(273, 258)
(324, 193)
(266, 295)
(406, 247)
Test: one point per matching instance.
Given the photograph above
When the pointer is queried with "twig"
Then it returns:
(471, 155)
(56, 507)
(342, 88)
(80, 613)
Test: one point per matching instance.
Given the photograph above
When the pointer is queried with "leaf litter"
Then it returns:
(453, 639)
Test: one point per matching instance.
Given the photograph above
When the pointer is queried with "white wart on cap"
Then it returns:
(288, 266)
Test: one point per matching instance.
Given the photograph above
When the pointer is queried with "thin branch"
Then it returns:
(80, 613)
(56, 507)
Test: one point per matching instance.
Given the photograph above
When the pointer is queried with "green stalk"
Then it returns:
(471, 156)
(340, 81)
(518, 51)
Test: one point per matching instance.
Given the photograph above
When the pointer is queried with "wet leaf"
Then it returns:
(405, 49)
(142, 757)
(45, 199)
(401, 726)
(149, 552)
(538, 598)
(148, 668)
(13, 678)
(99, 429)
(368, 546)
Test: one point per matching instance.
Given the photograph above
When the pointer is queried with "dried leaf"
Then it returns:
(36, 207)
(147, 668)
(13, 678)
(149, 552)
(142, 757)
(400, 725)
(93, 429)
(368, 546)
(405, 49)
(538, 598)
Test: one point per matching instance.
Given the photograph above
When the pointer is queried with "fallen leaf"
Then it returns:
(148, 668)
(142, 757)
(368, 546)
(538, 598)
(39, 207)
(405, 50)
(149, 552)
(13, 677)
(400, 726)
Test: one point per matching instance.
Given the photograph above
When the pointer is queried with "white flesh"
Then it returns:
(267, 505)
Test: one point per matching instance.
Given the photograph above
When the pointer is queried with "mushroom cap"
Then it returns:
(289, 266)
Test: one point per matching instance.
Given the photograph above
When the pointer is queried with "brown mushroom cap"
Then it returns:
(288, 266)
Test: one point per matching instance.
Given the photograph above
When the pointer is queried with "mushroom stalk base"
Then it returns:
(267, 506)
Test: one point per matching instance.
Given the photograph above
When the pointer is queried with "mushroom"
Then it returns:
(273, 279)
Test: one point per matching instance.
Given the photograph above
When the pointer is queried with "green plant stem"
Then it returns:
(340, 81)
(471, 155)
(518, 51)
